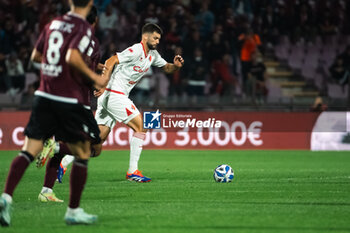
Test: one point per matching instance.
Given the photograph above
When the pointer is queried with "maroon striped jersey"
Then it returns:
(59, 81)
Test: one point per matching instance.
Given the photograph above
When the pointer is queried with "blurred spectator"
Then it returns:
(257, 79)
(24, 55)
(346, 57)
(175, 79)
(231, 32)
(150, 15)
(243, 7)
(142, 90)
(196, 74)
(327, 28)
(216, 48)
(191, 42)
(108, 19)
(27, 39)
(110, 51)
(7, 36)
(269, 26)
(251, 42)
(15, 74)
(339, 72)
(48, 13)
(108, 23)
(222, 80)
(29, 14)
(305, 22)
(101, 5)
(205, 20)
(172, 38)
(283, 21)
(3, 74)
(28, 96)
(129, 6)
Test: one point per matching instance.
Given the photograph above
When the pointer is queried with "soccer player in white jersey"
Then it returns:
(126, 69)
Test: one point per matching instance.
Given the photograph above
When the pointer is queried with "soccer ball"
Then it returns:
(223, 174)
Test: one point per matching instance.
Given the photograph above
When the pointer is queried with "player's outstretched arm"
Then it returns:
(109, 64)
(74, 59)
(172, 67)
(106, 72)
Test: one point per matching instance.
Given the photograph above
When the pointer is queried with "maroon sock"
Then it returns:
(51, 171)
(17, 169)
(53, 165)
(64, 150)
(78, 178)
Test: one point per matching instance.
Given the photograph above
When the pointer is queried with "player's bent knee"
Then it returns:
(96, 150)
(83, 156)
(82, 162)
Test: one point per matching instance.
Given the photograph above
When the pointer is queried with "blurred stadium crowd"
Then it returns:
(224, 42)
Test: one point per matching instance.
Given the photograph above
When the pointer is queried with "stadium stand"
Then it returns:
(299, 42)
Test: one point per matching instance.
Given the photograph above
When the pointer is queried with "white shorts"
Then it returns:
(112, 107)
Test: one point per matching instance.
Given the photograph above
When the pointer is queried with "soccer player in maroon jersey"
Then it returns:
(60, 149)
(60, 106)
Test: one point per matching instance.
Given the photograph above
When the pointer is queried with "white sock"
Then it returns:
(7, 197)
(57, 148)
(68, 159)
(71, 210)
(46, 190)
(136, 143)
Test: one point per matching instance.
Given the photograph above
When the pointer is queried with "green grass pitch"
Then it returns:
(273, 191)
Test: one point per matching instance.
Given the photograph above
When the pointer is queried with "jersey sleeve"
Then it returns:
(39, 45)
(158, 60)
(129, 54)
(96, 55)
(81, 39)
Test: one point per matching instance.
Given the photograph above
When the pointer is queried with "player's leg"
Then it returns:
(51, 147)
(68, 158)
(19, 165)
(105, 120)
(52, 172)
(95, 151)
(78, 176)
(66, 161)
(41, 126)
(46, 194)
(104, 132)
(120, 108)
(79, 131)
(136, 144)
(48, 151)
(55, 169)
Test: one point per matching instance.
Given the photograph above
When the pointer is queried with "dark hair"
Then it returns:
(91, 18)
(150, 28)
(80, 3)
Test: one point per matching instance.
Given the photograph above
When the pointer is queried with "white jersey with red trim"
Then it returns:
(133, 64)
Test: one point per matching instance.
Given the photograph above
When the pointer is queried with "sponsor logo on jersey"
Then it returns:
(138, 69)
